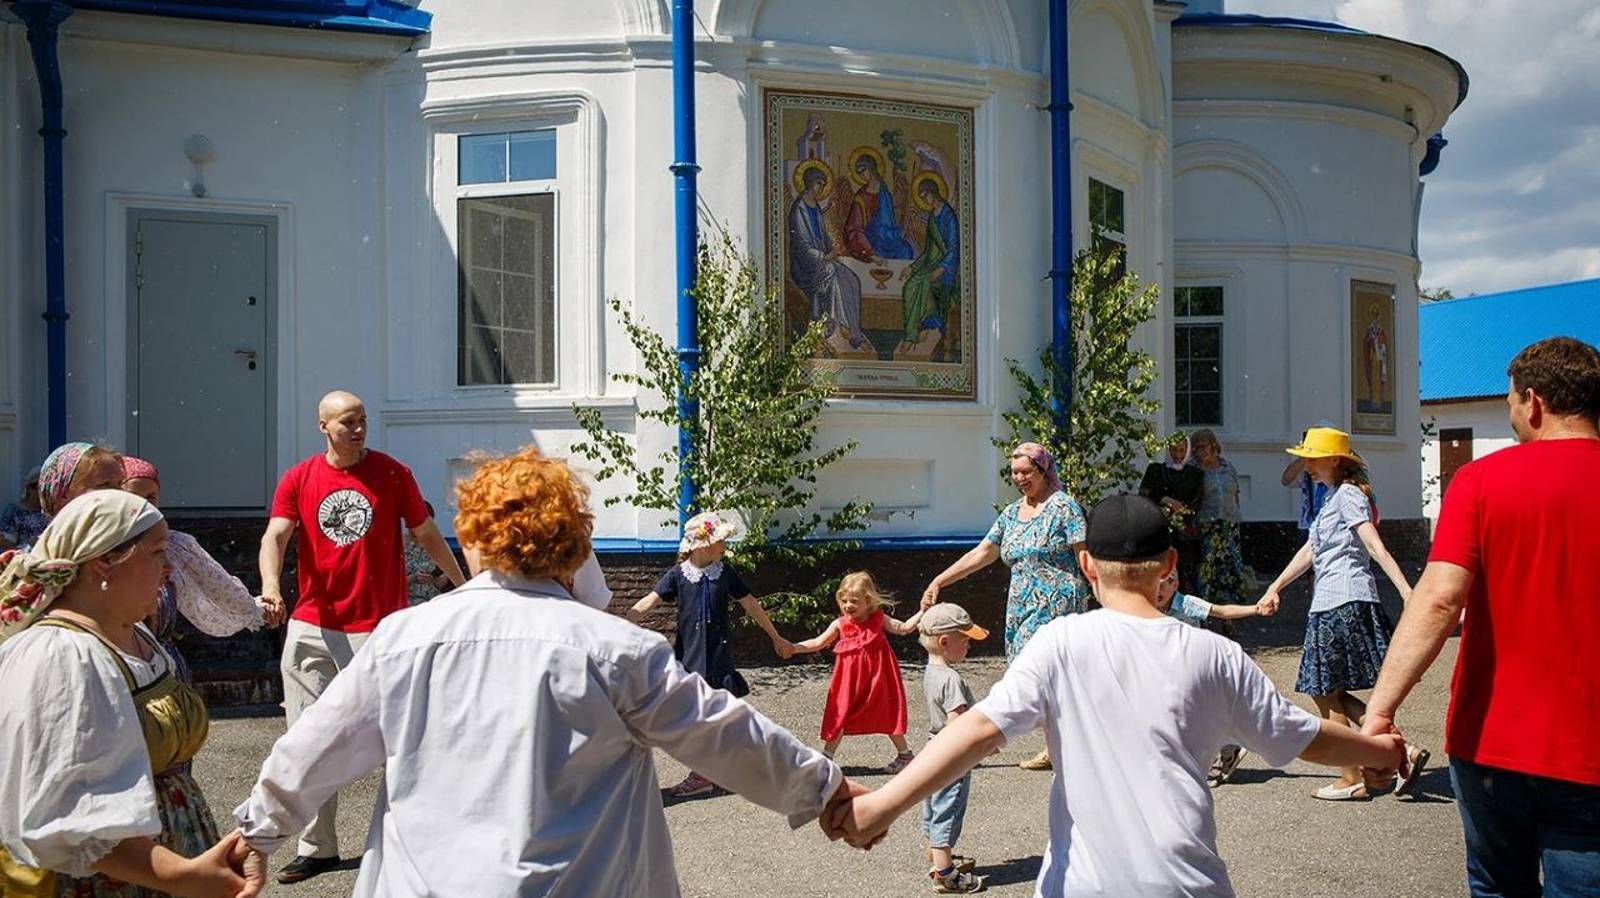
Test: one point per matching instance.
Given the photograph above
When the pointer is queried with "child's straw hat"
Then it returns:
(705, 529)
(1325, 442)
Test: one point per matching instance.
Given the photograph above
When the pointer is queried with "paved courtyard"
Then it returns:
(1277, 840)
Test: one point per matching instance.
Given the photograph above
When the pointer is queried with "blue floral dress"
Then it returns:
(1045, 582)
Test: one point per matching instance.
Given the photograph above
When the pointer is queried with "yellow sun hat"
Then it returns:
(1325, 442)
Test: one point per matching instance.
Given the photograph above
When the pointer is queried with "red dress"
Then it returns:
(865, 695)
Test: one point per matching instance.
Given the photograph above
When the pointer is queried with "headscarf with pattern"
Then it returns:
(138, 468)
(55, 475)
(87, 528)
(1043, 460)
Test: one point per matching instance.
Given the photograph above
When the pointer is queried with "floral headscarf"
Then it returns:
(1043, 460)
(138, 468)
(87, 528)
(55, 476)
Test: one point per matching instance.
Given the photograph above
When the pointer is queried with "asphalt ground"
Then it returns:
(1276, 839)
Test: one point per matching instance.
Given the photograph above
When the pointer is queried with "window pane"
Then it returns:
(480, 357)
(1205, 377)
(1182, 383)
(1114, 203)
(483, 297)
(1205, 301)
(1206, 408)
(507, 301)
(1180, 301)
(484, 241)
(522, 358)
(533, 155)
(483, 159)
(1205, 342)
(1184, 416)
(1180, 349)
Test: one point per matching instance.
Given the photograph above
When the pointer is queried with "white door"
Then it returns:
(201, 387)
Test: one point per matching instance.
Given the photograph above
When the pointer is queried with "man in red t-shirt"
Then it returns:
(345, 506)
(1515, 548)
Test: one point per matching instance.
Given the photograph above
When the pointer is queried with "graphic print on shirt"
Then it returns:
(344, 516)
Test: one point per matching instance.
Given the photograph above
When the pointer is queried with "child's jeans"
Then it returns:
(943, 812)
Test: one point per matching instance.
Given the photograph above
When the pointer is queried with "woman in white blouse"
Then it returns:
(95, 731)
(199, 588)
(514, 724)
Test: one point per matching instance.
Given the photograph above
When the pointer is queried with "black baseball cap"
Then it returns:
(1126, 527)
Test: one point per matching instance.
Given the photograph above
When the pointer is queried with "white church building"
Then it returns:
(430, 204)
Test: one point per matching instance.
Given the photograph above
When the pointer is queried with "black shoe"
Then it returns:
(303, 868)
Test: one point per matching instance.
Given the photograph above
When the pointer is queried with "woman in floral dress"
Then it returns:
(1038, 537)
(1221, 564)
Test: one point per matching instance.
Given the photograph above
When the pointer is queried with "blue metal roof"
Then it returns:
(387, 17)
(1238, 20)
(1466, 344)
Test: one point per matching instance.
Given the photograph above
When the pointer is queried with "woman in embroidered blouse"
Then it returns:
(23, 520)
(705, 587)
(1039, 537)
(103, 807)
(1221, 564)
(199, 588)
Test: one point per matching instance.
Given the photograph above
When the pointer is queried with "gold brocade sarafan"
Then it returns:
(174, 722)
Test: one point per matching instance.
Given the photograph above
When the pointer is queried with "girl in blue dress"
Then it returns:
(705, 588)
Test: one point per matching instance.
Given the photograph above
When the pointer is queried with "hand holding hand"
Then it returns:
(273, 609)
(784, 648)
(837, 810)
(1381, 726)
(251, 863)
(213, 874)
(1268, 606)
(930, 596)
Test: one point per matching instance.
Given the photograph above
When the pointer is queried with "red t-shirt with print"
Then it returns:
(1522, 521)
(351, 558)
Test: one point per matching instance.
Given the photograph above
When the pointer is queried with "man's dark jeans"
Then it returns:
(1516, 824)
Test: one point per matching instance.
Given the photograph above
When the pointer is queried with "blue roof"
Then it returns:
(1466, 344)
(388, 17)
(1239, 20)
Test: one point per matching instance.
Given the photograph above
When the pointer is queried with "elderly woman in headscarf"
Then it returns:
(199, 588)
(1222, 579)
(1039, 537)
(23, 520)
(74, 469)
(95, 731)
(522, 666)
(1179, 487)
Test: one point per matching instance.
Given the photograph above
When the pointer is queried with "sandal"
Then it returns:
(693, 786)
(1352, 792)
(1416, 759)
(1227, 762)
(1040, 761)
(898, 764)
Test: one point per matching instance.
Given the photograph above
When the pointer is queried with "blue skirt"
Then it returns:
(1344, 649)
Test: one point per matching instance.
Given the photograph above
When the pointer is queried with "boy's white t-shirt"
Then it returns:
(1134, 711)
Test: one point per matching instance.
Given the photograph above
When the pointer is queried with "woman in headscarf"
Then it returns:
(23, 520)
(1221, 561)
(74, 469)
(95, 731)
(199, 588)
(523, 667)
(1038, 537)
(1178, 487)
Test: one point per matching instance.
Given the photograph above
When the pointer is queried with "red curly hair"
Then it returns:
(525, 514)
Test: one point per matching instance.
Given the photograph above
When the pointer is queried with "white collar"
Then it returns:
(695, 574)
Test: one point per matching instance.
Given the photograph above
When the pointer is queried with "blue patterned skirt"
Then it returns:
(1344, 648)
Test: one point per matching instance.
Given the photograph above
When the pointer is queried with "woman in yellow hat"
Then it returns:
(1347, 630)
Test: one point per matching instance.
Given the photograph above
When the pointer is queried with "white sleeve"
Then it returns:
(1017, 704)
(212, 599)
(589, 584)
(335, 741)
(1263, 719)
(720, 736)
(74, 770)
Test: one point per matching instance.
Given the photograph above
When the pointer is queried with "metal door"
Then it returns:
(201, 392)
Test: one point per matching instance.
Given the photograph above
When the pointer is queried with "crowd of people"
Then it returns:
(1144, 711)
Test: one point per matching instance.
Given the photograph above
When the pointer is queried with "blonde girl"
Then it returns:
(865, 695)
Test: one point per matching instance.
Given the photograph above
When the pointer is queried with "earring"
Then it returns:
(104, 586)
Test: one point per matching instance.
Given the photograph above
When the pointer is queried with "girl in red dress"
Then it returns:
(865, 695)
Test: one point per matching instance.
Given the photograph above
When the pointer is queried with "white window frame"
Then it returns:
(1220, 322)
(579, 363)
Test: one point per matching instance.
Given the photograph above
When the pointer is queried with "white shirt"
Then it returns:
(74, 770)
(514, 728)
(1134, 711)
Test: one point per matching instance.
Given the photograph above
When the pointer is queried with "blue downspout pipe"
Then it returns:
(684, 172)
(1060, 107)
(44, 19)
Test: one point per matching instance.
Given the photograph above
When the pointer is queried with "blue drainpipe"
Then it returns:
(684, 170)
(43, 19)
(1061, 338)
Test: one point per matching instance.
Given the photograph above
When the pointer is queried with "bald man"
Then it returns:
(345, 506)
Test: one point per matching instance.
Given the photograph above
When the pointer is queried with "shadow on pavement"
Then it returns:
(1250, 776)
(1011, 872)
(1433, 787)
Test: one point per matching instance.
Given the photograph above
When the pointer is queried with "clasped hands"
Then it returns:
(855, 816)
(229, 869)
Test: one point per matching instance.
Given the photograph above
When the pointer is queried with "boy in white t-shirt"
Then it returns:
(1135, 705)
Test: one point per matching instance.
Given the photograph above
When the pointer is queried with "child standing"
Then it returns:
(1347, 631)
(705, 587)
(865, 695)
(1195, 611)
(1138, 702)
(947, 633)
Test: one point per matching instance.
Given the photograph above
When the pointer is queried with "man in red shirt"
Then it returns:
(1515, 548)
(346, 506)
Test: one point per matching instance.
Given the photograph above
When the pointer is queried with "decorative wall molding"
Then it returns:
(548, 414)
(91, 26)
(1297, 110)
(1245, 161)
